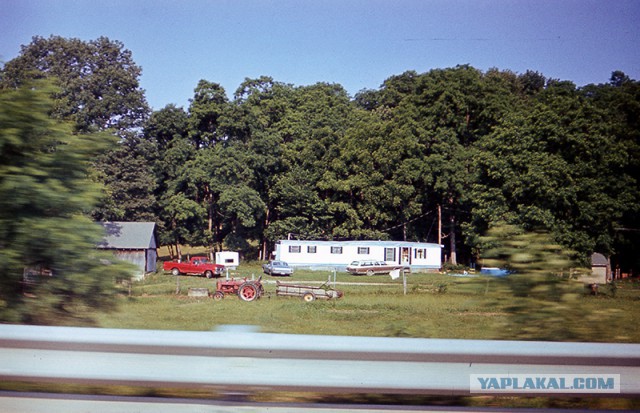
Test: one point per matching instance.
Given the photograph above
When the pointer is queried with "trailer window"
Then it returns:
(294, 248)
(312, 249)
(336, 250)
(390, 254)
(420, 253)
(363, 250)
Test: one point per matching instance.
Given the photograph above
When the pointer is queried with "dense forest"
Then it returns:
(439, 156)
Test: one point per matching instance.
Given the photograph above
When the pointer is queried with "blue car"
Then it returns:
(277, 268)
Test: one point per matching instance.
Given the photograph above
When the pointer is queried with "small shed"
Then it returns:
(134, 242)
(600, 267)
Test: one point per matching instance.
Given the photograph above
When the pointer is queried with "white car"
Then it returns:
(370, 267)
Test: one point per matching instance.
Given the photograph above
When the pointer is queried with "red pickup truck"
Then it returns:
(195, 266)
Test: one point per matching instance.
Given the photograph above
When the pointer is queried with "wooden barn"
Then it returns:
(134, 242)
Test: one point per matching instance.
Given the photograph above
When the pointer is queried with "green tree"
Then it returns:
(97, 81)
(207, 180)
(167, 125)
(544, 301)
(167, 131)
(206, 111)
(374, 179)
(434, 122)
(256, 121)
(532, 82)
(257, 106)
(129, 175)
(45, 195)
(311, 130)
(97, 90)
(620, 101)
(555, 165)
(181, 216)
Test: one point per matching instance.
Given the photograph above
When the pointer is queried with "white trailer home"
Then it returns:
(419, 256)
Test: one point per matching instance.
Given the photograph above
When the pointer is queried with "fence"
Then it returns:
(237, 359)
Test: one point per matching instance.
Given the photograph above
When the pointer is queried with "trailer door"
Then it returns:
(405, 256)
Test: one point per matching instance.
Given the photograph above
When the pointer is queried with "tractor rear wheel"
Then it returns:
(248, 292)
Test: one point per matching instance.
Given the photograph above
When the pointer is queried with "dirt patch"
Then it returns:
(482, 313)
(343, 311)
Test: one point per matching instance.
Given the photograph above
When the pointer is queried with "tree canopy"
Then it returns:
(97, 81)
(273, 160)
(481, 147)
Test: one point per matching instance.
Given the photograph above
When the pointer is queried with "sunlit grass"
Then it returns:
(435, 306)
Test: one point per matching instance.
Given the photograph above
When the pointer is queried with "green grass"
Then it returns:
(435, 306)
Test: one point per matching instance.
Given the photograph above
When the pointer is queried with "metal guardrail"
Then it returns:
(242, 360)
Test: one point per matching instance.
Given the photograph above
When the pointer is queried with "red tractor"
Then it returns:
(247, 290)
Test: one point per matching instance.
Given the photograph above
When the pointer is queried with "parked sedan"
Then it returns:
(372, 267)
(277, 268)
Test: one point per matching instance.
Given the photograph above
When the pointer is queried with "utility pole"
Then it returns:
(452, 240)
(439, 224)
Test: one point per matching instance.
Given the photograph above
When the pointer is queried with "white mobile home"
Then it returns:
(420, 256)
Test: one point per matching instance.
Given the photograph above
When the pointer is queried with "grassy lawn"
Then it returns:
(435, 306)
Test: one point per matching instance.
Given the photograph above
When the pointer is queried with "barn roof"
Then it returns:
(598, 260)
(128, 235)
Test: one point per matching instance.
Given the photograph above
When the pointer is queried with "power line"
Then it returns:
(406, 222)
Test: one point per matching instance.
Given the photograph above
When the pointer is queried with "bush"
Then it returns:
(456, 268)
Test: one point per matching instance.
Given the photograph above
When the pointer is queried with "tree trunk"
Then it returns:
(263, 252)
(210, 241)
(177, 250)
(210, 215)
(439, 224)
(452, 238)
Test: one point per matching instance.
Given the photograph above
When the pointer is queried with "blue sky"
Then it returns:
(355, 43)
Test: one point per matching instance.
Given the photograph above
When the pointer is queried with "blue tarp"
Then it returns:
(496, 272)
